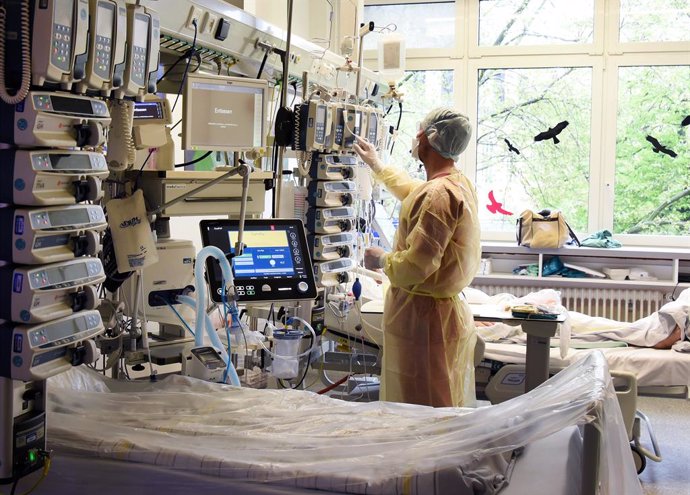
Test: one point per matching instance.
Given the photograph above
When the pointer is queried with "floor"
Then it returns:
(670, 419)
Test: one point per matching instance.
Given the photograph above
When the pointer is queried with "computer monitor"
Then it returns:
(275, 264)
(223, 113)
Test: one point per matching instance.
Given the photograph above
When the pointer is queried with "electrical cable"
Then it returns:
(25, 23)
(263, 63)
(141, 169)
(196, 160)
(44, 474)
(188, 53)
(186, 69)
(397, 126)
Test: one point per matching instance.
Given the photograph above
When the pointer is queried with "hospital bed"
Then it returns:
(182, 433)
(658, 371)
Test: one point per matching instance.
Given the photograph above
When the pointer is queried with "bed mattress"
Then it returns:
(109, 477)
(653, 367)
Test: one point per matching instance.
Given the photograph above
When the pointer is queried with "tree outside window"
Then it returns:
(652, 189)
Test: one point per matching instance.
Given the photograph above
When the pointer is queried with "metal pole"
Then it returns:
(243, 170)
(283, 99)
(363, 31)
(239, 248)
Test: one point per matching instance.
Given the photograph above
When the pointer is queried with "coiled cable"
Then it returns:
(26, 56)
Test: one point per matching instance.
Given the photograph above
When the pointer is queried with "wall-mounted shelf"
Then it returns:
(665, 266)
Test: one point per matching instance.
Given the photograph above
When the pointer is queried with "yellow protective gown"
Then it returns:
(428, 331)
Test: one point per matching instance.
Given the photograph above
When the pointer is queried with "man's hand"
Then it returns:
(367, 153)
(373, 258)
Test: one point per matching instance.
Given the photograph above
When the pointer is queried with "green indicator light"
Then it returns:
(32, 456)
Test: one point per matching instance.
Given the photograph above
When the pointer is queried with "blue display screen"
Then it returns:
(268, 254)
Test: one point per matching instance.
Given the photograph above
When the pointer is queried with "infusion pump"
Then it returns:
(325, 126)
(61, 56)
(43, 293)
(59, 120)
(46, 235)
(37, 352)
(52, 177)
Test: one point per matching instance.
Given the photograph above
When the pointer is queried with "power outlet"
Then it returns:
(194, 13)
(210, 23)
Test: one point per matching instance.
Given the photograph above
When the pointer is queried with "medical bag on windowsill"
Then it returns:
(545, 229)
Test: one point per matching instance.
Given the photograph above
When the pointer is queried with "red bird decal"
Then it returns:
(495, 206)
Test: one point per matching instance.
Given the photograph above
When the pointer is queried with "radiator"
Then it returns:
(617, 304)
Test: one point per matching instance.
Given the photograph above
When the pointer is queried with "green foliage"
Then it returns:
(652, 189)
(518, 104)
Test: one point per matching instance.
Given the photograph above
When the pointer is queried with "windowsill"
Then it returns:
(625, 251)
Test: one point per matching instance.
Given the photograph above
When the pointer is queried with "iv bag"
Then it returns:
(392, 56)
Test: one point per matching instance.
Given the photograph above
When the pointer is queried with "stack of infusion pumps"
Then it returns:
(61, 56)
(325, 131)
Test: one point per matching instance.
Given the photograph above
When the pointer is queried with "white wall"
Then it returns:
(310, 18)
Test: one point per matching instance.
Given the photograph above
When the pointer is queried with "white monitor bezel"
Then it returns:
(188, 103)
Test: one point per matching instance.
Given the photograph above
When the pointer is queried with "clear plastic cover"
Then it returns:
(301, 439)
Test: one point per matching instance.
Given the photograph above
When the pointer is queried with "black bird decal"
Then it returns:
(686, 121)
(552, 132)
(511, 147)
(658, 147)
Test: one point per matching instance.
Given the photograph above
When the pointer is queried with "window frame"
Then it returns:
(604, 55)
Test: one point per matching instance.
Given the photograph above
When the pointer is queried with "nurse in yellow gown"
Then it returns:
(428, 330)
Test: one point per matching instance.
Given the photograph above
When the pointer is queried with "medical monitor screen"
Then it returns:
(224, 113)
(69, 161)
(275, 263)
(148, 110)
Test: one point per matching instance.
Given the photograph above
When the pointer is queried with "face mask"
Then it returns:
(415, 148)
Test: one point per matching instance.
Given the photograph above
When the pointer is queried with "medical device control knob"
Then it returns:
(303, 287)
(265, 288)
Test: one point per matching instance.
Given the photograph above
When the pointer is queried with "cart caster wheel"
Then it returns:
(639, 458)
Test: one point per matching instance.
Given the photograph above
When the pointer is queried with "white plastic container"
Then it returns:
(392, 56)
(285, 362)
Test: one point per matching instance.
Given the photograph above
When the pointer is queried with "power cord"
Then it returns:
(196, 160)
(186, 69)
(26, 55)
(46, 467)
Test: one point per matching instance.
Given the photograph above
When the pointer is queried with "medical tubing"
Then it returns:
(26, 56)
(144, 329)
(215, 340)
(179, 317)
(205, 325)
(135, 316)
(227, 331)
(204, 254)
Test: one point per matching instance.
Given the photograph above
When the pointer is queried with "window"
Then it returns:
(617, 71)
(654, 20)
(424, 25)
(652, 189)
(535, 22)
(423, 90)
(514, 106)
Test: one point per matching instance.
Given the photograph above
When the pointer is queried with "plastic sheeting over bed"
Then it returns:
(297, 438)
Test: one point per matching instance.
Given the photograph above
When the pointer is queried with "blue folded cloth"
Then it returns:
(600, 239)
